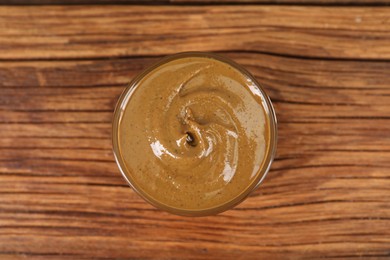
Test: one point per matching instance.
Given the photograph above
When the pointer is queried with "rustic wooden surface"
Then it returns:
(203, 2)
(326, 68)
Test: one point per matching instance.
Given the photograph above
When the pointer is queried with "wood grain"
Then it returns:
(83, 2)
(327, 194)
(196, 2)
(74, 32)
(295, 2)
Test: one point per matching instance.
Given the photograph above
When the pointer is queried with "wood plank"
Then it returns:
(192, 2)
(69, 32)
(85, 2)
(327, 194)
(275, 2)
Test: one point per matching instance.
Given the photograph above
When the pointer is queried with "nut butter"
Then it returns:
(194, 134)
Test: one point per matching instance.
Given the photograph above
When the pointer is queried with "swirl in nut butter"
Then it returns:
(193, 134)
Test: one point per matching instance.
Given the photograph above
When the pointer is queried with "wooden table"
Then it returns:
(325, 64)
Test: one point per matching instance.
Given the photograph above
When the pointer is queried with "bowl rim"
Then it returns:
(271, 148)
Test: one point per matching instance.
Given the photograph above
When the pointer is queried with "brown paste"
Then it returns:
(193, 133)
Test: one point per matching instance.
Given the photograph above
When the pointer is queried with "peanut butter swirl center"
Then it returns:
(193, 133)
